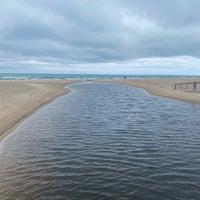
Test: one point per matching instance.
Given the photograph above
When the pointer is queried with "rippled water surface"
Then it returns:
(104, 141)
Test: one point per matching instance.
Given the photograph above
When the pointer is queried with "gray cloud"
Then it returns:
(70, 34)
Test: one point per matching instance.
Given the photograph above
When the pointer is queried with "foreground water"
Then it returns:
(104, 141)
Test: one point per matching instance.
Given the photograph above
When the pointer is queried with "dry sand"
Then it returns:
(19, 99)
(163, 87)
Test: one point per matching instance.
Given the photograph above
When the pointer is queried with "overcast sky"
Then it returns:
(105, 36)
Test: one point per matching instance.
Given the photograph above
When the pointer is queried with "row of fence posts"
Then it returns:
(192, 86)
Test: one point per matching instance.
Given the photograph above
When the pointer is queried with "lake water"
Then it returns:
(29, 76)
(104, 141)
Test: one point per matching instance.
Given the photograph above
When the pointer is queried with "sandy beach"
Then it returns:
(162, 87)
(19, 99)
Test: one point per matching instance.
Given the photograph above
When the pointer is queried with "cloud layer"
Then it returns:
(108, 36)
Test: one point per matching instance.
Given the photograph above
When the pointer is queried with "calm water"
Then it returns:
(104, 141)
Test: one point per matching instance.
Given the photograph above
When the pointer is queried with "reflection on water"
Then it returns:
(104, 141)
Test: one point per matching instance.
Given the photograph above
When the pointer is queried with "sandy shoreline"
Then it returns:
(20, 99)
(163, 87)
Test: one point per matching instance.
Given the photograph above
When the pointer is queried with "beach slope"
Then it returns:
(19, 99)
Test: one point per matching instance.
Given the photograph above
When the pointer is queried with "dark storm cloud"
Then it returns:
(65, 33)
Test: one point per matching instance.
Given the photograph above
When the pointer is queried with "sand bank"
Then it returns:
(19, 99)
(163, 87)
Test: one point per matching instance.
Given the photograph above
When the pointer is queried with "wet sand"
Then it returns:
(20, 99)
(163, 87)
